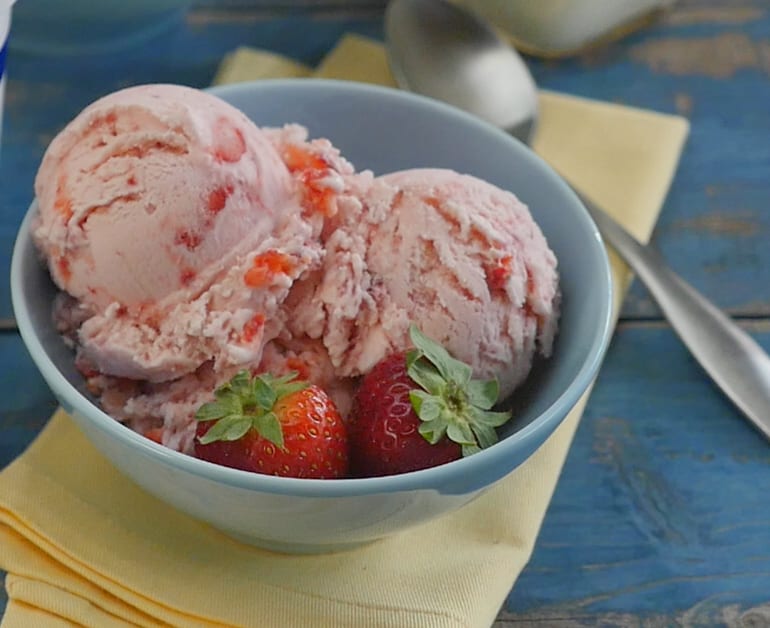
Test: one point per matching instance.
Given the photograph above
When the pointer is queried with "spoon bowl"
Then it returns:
(461, 63)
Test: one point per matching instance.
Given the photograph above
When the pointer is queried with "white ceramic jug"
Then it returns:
(555, 28)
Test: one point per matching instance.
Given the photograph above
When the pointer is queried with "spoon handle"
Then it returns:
(738, 365)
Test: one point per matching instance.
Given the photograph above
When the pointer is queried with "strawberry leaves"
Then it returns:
(449, 403)
(246, 403)
(438, 359)
(274, 426)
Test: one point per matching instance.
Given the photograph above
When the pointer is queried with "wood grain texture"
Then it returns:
(707, 61)
(660, 517)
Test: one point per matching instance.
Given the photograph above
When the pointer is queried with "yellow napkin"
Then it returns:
(84, 546)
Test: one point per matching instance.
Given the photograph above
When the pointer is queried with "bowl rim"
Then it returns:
(482, 464)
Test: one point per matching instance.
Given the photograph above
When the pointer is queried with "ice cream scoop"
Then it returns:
(190, 244)
(176, 227)
(458, 257)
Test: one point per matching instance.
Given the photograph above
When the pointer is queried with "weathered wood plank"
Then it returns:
(26, 400)
(661, 512)
(708, 62)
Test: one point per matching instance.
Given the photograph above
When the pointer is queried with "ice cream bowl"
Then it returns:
(385, 130)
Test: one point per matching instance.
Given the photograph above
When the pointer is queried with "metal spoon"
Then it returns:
(440, 50)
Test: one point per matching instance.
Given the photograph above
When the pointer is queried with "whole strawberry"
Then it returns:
(273, 425)
(420, 409)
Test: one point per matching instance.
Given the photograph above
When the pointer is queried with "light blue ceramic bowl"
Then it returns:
(384, 130)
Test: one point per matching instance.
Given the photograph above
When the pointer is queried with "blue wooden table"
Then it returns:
(662, 515)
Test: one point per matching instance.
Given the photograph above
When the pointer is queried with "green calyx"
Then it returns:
(450, 403)
(247, 402)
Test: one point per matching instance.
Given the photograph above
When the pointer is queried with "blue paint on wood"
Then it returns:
(723, 169)
(26, 401)
(662, 501)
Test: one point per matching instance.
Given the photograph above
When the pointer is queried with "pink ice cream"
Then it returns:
(190, 244)
(154, 204)
(461, 258)
(159, 206)
(177, 228)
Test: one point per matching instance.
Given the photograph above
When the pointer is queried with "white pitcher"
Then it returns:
(558, 28)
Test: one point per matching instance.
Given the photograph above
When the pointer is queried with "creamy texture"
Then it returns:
(154, 204)
(459, 257)
(146, 190)
(177, 228)
(191, 244)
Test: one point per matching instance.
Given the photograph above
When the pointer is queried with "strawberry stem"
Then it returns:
(245, 403)
(449, 402)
